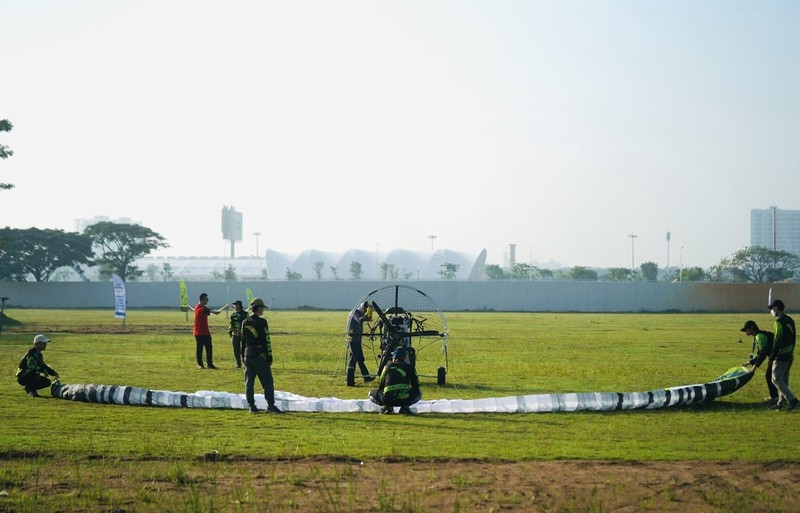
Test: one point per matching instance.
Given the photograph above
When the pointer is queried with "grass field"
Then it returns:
(70, 456)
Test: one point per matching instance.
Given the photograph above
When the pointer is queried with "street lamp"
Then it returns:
(680, 271)
(632, 236)
(668, 237)
(431, 237)
(257, 235)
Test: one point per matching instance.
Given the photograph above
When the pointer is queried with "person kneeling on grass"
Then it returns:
(399, 385)
(32, 372)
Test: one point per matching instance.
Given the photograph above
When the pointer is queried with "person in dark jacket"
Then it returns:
(782, 356)
(32, 372)
(235, 330)
(762, 349)
(257, 353)
(399, 384)
(355, 332)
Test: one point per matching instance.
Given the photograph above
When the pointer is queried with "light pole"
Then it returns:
(257, 235)
(632, 236)
(668, 237)
(431, 237)
(680, 271)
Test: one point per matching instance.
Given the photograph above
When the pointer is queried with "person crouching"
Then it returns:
(399, 385)
(32, 372)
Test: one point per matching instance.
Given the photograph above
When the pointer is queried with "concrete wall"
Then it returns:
(531, 296)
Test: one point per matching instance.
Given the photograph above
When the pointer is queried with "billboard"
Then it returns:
(231, 224)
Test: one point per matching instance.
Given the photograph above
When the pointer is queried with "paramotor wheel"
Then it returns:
(440, 376)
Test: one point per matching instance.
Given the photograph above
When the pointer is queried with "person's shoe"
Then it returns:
(273, 409)
(792, 405)
(405, 410)
(776, 406)
(238, 365)
(770, 400)
(33, 393)
(253, 408)
(367, 379)
(200, 367)
(212, 366)
(387, 410)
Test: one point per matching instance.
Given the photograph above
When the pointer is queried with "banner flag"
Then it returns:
(119, 297)
(184, 296)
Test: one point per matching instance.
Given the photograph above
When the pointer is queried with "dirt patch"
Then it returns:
(450, 485)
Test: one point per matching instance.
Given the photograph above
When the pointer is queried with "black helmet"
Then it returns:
(400, 354)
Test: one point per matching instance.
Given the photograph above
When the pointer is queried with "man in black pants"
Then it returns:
(257, 353)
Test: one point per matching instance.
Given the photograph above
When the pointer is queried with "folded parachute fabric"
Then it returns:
(726, 384)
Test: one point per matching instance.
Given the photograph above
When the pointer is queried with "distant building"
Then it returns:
(775, 229)
(81, 224)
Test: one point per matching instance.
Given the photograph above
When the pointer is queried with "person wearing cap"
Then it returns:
(235, 331)
(782, 356)
(355, 331)
(762, 349)
(257, 352)
(399, 385)
(32, 372)
(201, 332)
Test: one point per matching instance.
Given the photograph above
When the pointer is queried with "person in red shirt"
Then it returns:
(202, 334)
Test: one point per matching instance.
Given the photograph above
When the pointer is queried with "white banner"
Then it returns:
(119, 297)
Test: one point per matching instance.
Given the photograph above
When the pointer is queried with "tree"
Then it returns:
(582, 273)
(355, 270)
(151, 271)
(522, 271)
(389, 271)
(618, 274)
(120, 244)
(649, 271)
(494, 272)
(334, 272)
(318, 269)
(291, 275)
(758, 264)
(448, 271)
(166, 272)
(5, 152)
(692, 274)
(38, 253)
(546, 274)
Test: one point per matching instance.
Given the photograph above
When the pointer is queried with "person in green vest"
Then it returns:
(235, 331)
(782, 356)
(32, 371)
(762, 349)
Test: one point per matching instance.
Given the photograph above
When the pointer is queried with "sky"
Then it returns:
(564, 127)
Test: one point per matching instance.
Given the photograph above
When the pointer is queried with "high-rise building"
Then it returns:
(775, 229)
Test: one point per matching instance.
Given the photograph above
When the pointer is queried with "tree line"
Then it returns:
(34, 253)
(753, 264)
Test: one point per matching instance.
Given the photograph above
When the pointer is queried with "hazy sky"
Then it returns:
(560, 126)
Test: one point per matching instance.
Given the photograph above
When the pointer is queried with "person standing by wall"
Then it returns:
(257, 353)
(32, 371)
(235, 331)
(201, 332)
(782, 356)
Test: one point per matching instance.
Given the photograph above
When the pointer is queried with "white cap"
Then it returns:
(40, 338)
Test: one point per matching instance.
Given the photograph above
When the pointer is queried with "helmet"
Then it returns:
(400, 354)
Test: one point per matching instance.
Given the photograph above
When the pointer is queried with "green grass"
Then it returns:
(490, 354)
